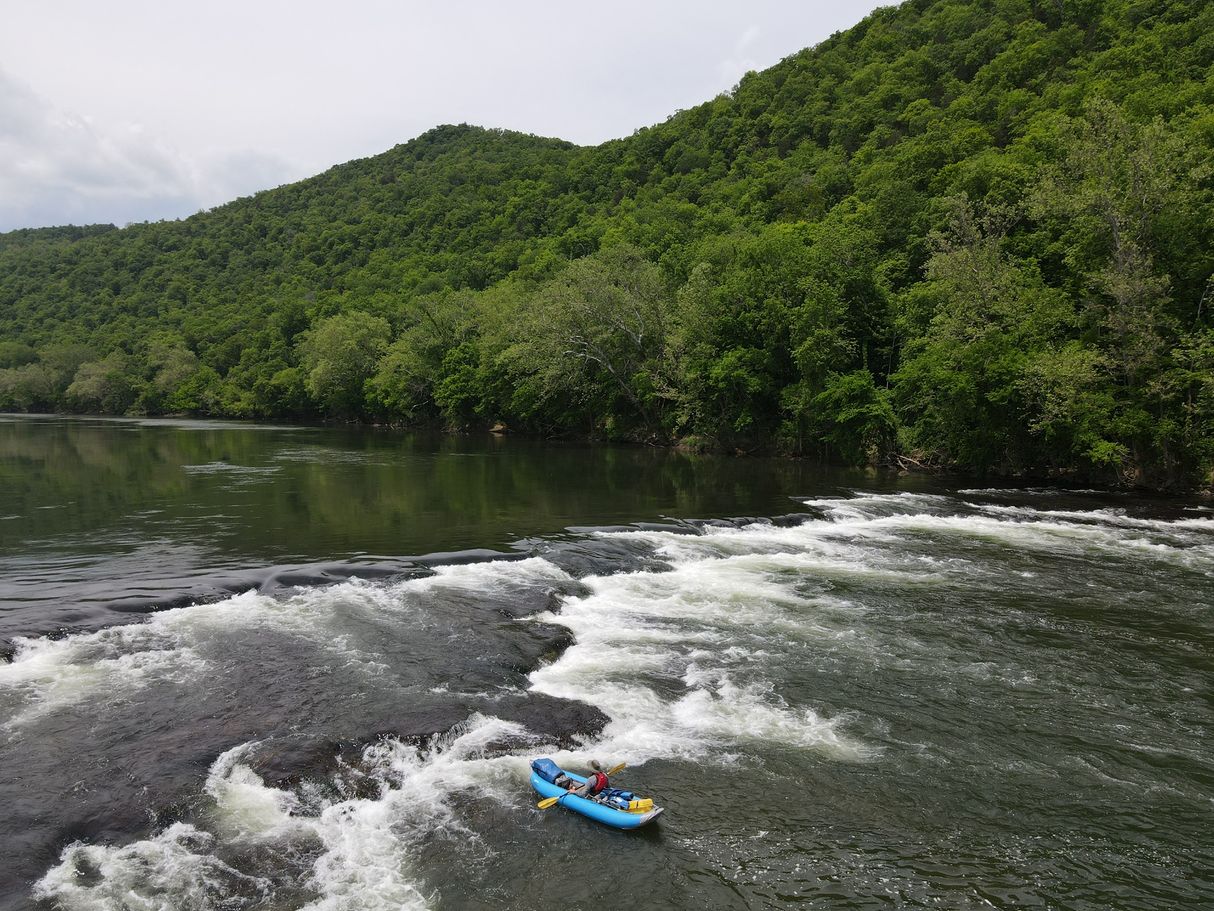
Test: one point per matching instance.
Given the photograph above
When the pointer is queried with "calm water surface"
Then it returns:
(277, 668)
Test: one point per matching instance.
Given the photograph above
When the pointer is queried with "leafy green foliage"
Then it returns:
(338, 356)
(961, 232)
(588, 344)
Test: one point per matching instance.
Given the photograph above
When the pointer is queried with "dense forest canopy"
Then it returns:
(973, 233)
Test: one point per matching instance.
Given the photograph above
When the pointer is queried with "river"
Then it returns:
(266, 667)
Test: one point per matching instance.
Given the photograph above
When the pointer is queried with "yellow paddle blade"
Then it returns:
(619, 768)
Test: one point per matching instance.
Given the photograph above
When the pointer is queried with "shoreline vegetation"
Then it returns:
(969, 236)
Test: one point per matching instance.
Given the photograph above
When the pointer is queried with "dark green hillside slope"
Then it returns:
(960, 233)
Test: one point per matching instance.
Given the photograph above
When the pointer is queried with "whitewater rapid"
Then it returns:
(705, 653)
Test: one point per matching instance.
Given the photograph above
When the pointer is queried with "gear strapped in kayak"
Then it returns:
(615, 807)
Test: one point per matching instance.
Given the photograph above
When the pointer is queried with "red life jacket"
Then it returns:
(598, 781)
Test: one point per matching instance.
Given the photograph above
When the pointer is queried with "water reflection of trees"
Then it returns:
(332, 492)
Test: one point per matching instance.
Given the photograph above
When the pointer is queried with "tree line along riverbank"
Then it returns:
(961, 234)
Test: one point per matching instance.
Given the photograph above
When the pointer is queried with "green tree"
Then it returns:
(1116, 188)
(590, 342)
(30, 387)
(16, 354)
(106, 386)
(434, 350)
(961, 386)
(339, 355)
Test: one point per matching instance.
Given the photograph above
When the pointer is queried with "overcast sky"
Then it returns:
(133, 110)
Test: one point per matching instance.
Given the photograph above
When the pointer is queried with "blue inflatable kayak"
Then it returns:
(610, 808)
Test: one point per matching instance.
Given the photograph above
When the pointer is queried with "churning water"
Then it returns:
(873, 697)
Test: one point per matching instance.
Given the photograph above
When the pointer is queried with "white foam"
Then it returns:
(46, 675)
(1027, 492)
(488, 576)
(808, 552)
(733, 590)
(865, 506)
(244, 807)
(176, 645)
(702, 624)
(175, 870)
(891, 518)
(869, 507)
(736, 714)
(366, 862)
(1116, 517)
(1059, 537)
(363, 847)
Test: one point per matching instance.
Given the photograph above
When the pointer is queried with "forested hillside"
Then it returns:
(971, 234)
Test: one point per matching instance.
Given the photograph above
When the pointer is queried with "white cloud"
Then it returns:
(741, 61)
(57, 167)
